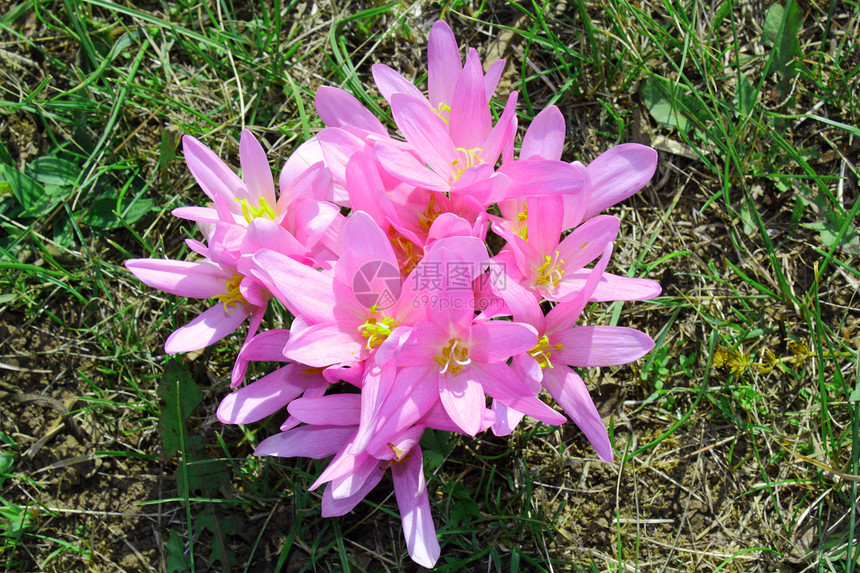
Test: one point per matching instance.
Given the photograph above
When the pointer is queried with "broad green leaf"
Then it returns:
(181, 396)
(780, 32)
(26, 190)
(745, 95)
(664, 105)
(53, 171)
(177, 560)
(102, 213)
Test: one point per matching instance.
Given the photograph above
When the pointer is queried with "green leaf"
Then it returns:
(665, 103)
(206, 476)
(102, 213)
(5, 156)
(745, 95)
(53, 171)
(20, 519)
(780, 32)
(177, 561)
(181, 396)
(26, 190)
(772, 24)
(35, 198)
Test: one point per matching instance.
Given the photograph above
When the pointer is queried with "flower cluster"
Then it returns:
(401, 298)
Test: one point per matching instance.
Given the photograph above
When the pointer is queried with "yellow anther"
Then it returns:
(551, 271)
(541, 352)
(468, 158)
(250, 213)
(376, 330)
(430, 214)
(453, 357)
(440, 109)
(232, 295)
(522, 220)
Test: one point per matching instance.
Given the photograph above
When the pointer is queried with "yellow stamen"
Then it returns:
(522, 219)
(453, 357)
(430, 214)
(439, 109)
(468, 158)
(376, 330)
(232, 295)
(551, 271)
(250, 213)
(541, 352)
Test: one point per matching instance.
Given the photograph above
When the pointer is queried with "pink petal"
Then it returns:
(322, 345)
(240, 366)
(369, 264)
(601, 345)
(303, 158)
(619, 173)
(463, 398)
(425, 132)
(544, 223)
(405, 167)
(545, 136)
(537, 177)
(208, 328)
(194, 280)
(331, 410)
(315, 442)
(264, 397)
(492, 77)
(443, 64)
(614, 287)
(413, 394)
(348, 483)
(197, 214)
(569, 391)
(498, 340)
(390, 82)
(500, 382)
(256, 170)
(501, 139)
(377, 383)
(338, 145)
(339, 108)
(469, 120)
(333, 507)
(212, 174)
(302, 289)
(438, 419)
(414, 504)
(506, 419)
(267, 346)
(588, 241)
(565, 314)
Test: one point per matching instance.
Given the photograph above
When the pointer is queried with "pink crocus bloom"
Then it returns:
(444, 68)
(561, 346)
(331, 423)
(613, 176)
(453, 358)
(202, 280)
(296, 221)
(556, 270)
(242, 200)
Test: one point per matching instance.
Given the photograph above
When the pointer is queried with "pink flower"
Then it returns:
(562, 346)
(200, 280)
(331, 423)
